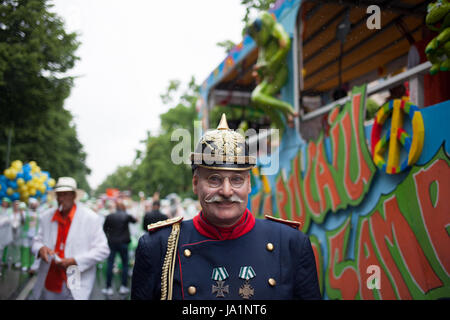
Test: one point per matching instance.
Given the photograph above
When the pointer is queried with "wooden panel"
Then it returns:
(367, 50)
(372, 63)
(320, 19)
(355, 37)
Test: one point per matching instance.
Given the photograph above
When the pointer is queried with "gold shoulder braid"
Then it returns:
(164, 223)
(168, 267)
(293, 224)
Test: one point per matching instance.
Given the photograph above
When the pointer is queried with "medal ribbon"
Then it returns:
(219, 274)
(247, 273)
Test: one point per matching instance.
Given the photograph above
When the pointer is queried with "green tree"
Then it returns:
(35, 53)
(120, 179)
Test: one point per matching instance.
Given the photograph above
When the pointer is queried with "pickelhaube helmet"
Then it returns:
(222, 149)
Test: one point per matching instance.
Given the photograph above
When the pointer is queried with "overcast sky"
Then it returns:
(129, 51)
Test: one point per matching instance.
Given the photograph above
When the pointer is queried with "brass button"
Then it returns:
(187, 253)
(272, 282)
(269, 246)
(192, 290)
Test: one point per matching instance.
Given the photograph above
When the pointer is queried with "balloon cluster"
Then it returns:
(22, 181)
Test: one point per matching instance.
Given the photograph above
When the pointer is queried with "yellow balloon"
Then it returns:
(11, 174)
(32, 191)
(32, 164)
(17, 164)
(25, 194)
(20, 182)
(9, 191)
(23, 188)
(7, 173)
(51, 182)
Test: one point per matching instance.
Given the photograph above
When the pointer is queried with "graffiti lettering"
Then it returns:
(326, 186)
(342, 279)
(436, 215)
(388, 237)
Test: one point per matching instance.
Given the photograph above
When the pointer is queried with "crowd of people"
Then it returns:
(116, 225)
(19, 223)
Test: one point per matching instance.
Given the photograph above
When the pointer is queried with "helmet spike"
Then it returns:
(223, 124)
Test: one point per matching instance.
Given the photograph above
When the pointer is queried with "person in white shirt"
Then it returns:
(70, 243)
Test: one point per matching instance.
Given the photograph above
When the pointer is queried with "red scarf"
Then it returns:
(205, 228)
(57, 275)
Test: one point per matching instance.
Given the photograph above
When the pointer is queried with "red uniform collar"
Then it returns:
(244, 225)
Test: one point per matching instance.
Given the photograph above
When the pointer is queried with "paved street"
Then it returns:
(17, 285)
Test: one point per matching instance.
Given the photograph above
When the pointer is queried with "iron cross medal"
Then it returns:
(220, 289)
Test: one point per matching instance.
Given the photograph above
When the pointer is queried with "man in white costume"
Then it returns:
(70, 242)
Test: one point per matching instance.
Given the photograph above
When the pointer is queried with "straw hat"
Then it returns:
(65, 184)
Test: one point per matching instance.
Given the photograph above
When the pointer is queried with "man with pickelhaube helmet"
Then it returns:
(224, 252)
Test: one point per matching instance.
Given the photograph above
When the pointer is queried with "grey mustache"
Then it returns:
(218, 198)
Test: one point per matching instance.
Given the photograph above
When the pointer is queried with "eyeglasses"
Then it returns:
(216, 180)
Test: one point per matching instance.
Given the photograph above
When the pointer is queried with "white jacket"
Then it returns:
(86, 243)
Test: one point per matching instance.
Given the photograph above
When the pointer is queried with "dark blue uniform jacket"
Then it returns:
(291, 263)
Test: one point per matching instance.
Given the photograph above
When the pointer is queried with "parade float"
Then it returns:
(362, 164)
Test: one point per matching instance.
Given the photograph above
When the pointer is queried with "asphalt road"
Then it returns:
(17, 285)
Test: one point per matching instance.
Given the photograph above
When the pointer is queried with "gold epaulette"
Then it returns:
(293, 224)
(160, 224)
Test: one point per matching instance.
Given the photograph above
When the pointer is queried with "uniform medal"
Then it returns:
(220, 275)
(246, 273)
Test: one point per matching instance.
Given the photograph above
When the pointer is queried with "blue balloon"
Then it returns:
(38, 193)
(27, 176)
(12, 184)
(15, 196)
(3, 179)
(26, 168)
(19, 175)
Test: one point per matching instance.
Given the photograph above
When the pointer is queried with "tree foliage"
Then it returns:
(35, 53)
